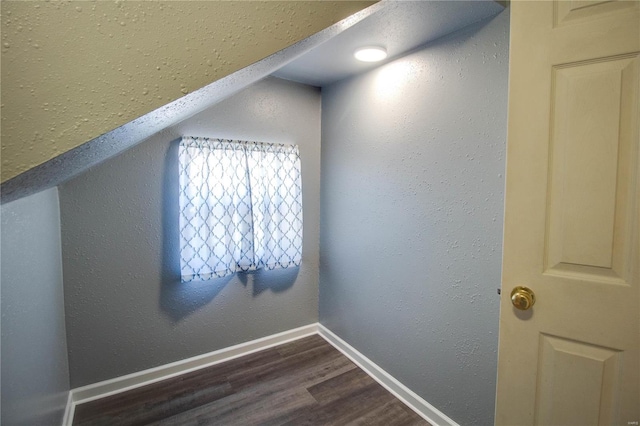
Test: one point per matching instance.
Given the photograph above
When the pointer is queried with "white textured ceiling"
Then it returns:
(400, 26)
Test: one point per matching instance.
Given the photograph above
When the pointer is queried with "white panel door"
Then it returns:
(572, 223)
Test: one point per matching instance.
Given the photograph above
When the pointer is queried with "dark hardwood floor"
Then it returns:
(305, 382)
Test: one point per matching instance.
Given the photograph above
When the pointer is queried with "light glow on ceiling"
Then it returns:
(370, 54)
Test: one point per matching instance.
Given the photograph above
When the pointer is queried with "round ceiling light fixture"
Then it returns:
(370, 54)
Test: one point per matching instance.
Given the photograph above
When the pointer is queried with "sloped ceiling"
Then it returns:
(55, 126)
(400, 27)
(72, 71)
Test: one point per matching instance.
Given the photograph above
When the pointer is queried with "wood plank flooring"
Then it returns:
(305, 382)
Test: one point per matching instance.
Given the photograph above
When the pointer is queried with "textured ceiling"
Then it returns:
(74, 161)
(317, 60)
(74, 70)
(400, 27)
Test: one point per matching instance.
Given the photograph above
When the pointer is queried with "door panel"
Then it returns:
(570, 12)
(568, 369)
(590, 168)
(572, 223)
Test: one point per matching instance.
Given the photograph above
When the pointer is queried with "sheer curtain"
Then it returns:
(240, 207)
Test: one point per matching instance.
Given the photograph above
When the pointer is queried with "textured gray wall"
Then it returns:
(35, 372)
(126, 308)
(411, 223)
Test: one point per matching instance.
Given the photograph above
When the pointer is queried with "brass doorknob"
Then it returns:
(523, 297)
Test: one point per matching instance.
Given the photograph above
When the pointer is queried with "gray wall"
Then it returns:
(411, 222)
(35, 372)
(126, 308)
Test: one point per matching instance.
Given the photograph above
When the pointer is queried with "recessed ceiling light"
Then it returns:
(370, 54)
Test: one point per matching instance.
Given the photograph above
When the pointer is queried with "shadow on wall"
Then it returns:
(179, 300)
(277, 280)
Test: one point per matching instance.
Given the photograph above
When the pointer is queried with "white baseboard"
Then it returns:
(152, 375)
(135, 380)
(400, 391)
(67, 419)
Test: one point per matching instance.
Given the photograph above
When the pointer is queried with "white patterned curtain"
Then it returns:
(240, 207)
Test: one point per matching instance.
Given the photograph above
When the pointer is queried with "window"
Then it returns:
(240, 207)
